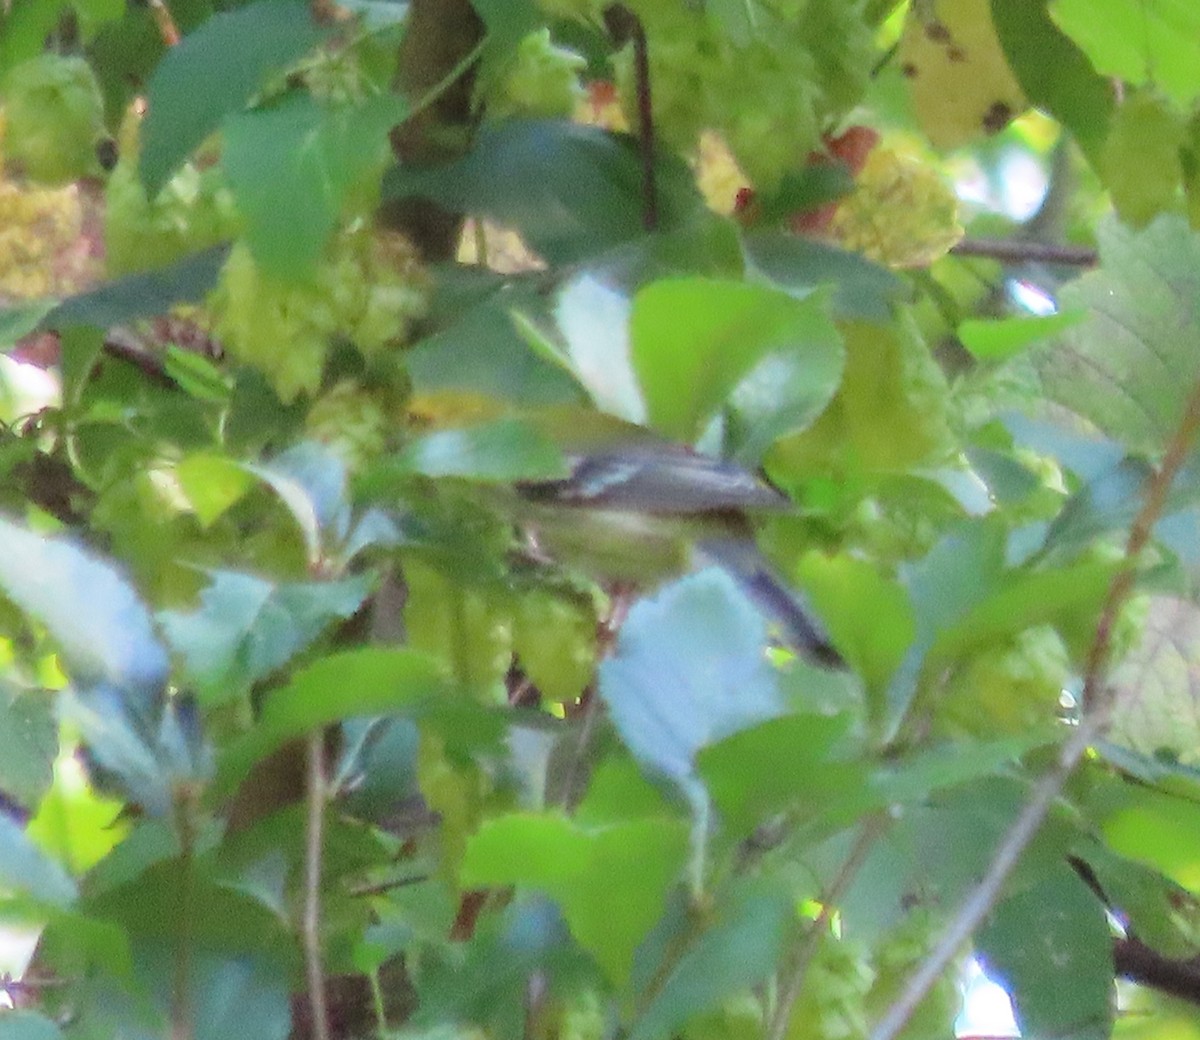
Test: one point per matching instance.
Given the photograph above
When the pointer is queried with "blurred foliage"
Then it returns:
(649, 622)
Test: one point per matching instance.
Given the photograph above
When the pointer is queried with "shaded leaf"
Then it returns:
(861, 289)
(504, 451)
(772, 766)
(310, 480)
(27, 1025)
(1157, 684)
(237, 997)
(366, 681)
(1050, 947)
(570, 190)
(28, 745)
(26, 869)
(141, 295)
(292, 167)
(1054, 73)
(738, 951)
(213, 72)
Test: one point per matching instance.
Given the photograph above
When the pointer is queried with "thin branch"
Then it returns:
(1097, 711)
(641, 66)
(314, 839)
(165, 22)
(870, 833)
(624, 26)
(181, 1001)
(1020, 251)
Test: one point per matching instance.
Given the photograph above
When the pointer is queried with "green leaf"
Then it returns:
(212, 484)
(143, 295)
(25, 868)
(1054, 73)
(293, 166)
(213, 72)
(1159, 830)
(310, 480)
(74, 823)
(570, 190)
(869, 616)
(1001, 339)
(1139, 41)
(770, 767)
(19, 321)
(508, 21)
(236, 997)
(688, 670)
(1050, 946)
(694, 339)
(740, 949)
(28, 745)
(1024, 599)
(1128, 367)
(27, 1025)
(26, 25)
(861, 289)
(480, 351)
(593, 319)
(366, 681)
(611, 882)
(956, 575)
(1142, 166)
(101, 626)
(246, 628)
(502, 452)
(1107, 502)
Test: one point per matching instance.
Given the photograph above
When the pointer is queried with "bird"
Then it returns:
(638, 507)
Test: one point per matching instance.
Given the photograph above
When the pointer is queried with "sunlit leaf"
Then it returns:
(687, 671)
(695, 340)
(102, 627)
(961, 85)
(1129, 366)
(1138, 41)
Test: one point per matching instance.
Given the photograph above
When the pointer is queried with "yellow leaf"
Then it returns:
(962, 87)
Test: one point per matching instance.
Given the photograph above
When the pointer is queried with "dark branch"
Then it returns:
(1137, 962)
(1020, 251)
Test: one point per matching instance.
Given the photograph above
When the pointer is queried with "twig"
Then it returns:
(181, 1002)
(871, 831)
(314, 837)
(980, 901)
(641, 66)
(167, 28)
(624, 27)
(1018, 251)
